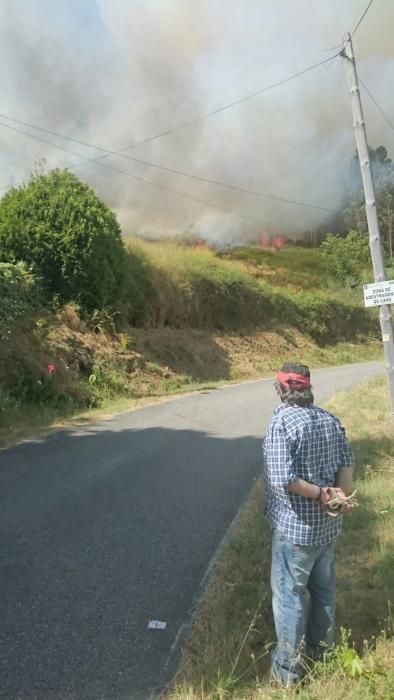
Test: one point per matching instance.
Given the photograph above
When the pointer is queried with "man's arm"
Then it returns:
(344, 479)
(324, 494)
(280, 464)
(304, 488)
(343, 482)
(344, 475)
(278, 456)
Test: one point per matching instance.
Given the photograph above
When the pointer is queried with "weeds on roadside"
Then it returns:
(227, 656)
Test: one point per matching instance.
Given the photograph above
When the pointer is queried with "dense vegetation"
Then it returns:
(348, 257)
(354, 211)
(19, 293)
(196, 288)
(351, 215)
(73, 295)
(60, 229)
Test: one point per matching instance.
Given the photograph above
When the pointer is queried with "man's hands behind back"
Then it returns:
(338, 499)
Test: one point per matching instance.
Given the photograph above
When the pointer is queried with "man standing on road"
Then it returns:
(306, 455)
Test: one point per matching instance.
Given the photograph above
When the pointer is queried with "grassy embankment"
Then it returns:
(227, 654)
(198, 319)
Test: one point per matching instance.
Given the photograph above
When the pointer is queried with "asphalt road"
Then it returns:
(107, 526)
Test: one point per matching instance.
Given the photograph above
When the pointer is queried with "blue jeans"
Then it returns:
(303, 603)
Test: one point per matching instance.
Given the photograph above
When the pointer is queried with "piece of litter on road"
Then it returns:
(156, 625)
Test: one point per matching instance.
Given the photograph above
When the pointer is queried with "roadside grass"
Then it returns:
(156, 364)
(24, 421)
(227, 654)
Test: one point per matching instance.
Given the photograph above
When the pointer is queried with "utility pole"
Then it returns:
(370, 208)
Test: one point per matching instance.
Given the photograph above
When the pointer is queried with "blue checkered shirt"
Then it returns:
(303, 443)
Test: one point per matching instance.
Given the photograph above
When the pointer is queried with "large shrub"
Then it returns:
(19, 293)
(348, 257)
(59, 227)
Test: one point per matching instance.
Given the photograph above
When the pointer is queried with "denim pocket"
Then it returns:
(297, 548)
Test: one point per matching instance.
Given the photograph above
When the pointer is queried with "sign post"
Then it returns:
(379, 293)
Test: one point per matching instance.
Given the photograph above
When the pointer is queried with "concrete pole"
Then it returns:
(370, 208)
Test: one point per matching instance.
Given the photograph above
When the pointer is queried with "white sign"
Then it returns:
(156, 625)
(379, 293)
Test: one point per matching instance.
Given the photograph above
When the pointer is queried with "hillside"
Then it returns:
(188, 317)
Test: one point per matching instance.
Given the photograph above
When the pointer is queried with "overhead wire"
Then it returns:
(361, 18)
(229, 105)
(234, 74)
(167, 169)
(140, 179)
(383, 113)
(168, 131)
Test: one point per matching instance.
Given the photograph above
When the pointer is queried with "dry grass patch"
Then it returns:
(203, 355)
(115, 371)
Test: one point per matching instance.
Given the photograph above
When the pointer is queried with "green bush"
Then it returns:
(20, 294)
(61, 230)
(328, 320)
(137, 292)
(348, 257)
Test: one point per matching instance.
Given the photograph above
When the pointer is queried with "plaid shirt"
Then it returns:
(303, 443)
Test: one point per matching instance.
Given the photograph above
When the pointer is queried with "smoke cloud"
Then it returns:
(114, 72)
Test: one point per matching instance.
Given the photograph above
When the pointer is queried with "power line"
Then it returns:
(235, 74)
(361, 18)
(229, 105)
(173, 171)
(388, 120)
(269, 65)
(168, 131)
(140, 179)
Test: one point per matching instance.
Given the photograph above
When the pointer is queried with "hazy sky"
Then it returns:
(114, 72)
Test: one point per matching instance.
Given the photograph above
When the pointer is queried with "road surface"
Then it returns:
(107, 526)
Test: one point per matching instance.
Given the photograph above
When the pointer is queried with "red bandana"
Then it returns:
(291, 380)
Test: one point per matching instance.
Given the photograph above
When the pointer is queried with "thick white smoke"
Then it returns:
(113, 72)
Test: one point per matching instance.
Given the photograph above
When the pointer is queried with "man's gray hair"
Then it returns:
(300, 396)
(295, 397)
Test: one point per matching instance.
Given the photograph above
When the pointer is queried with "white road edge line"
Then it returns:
(224, 540)
(175, 644)
(203, 584)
